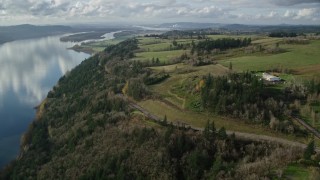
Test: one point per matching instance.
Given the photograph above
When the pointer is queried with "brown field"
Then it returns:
(313, 71)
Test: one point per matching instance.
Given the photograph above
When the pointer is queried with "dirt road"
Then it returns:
(307, 126)
(239, 135)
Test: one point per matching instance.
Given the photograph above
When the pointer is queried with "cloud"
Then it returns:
(289, 14)
(293, 2)
(155, 10)
(303, 14)
(273, 14)
(309, 13)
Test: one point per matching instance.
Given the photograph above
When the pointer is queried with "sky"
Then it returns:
(159, 11)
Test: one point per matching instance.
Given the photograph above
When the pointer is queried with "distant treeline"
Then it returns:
(283, 34)
(222, 44)
(176, 34)
(82, 37)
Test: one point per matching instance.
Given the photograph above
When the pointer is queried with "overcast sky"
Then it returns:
(159, 11)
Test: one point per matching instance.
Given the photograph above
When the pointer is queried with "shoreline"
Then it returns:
(81, 45)
(82, 49)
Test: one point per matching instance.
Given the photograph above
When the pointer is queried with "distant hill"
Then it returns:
(189, 25)
(240, 27)
(26, 31)
(273, 28)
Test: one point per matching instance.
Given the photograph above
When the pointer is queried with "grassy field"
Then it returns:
(181, 73)
(150, 40)
(303, 59)
(162, 109)
(267, 41)
(159, 48)
(156, 47)
(297, 172)
(164, 56)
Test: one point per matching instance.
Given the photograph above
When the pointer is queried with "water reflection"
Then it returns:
(25, 66)
(28, 70)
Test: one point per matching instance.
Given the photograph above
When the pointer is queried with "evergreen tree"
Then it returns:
(230, 65)
(165, 122)
(309, 150)
(222, 134)
(157, 61)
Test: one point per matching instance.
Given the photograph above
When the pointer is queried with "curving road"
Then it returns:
(239, 135)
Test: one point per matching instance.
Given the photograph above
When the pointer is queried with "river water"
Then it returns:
(28, 70)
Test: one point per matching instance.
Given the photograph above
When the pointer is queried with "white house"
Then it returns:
(271, 78)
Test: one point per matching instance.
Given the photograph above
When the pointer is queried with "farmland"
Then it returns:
(175, 93)
(302, 59)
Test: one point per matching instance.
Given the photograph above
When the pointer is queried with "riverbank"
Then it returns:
(86, 50)
(87, 42)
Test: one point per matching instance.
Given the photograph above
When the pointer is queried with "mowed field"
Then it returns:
(159, 48)
(298, 172)
(180, 75)
(303, 59)
(164, 56)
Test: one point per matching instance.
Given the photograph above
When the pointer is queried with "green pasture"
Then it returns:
(181, 74)
(297, 172)
(151, 40)
(156, 47)
(267, 41)
(297, 58)
(164, 56)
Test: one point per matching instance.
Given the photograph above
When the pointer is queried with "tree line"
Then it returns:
(246, 97)
(283, 34)
(208, 45)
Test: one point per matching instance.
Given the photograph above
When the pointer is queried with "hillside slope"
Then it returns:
(85, 130)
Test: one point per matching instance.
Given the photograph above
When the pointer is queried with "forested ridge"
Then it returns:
(86, 130)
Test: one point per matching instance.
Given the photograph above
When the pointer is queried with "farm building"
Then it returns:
(271, 78)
